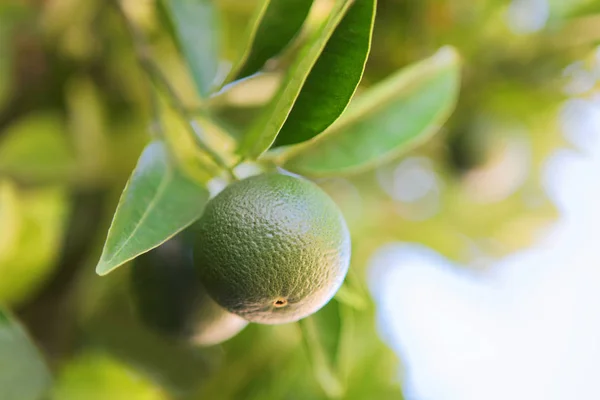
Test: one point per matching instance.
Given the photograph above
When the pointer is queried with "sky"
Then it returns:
(526, 328)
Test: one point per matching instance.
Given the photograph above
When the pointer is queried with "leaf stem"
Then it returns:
(146, 63)
(321, 366)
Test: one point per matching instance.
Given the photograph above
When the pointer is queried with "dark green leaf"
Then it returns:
(273, 27)
(158, 202)
(392, 117)
(23, 371)
(164, 19)
(197, 28)
(264, 130)
(334, 78)
(114, 328)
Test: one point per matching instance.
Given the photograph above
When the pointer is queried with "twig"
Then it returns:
(143, 56)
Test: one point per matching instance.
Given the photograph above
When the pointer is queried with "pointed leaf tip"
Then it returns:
(158, 202)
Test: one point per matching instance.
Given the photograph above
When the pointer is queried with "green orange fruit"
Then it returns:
(272, 248)
(170, 299)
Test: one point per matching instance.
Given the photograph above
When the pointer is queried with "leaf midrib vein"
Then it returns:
(151, 205)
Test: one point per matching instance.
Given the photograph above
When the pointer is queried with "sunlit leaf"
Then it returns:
(333, 79)
(97, 376)
(394, 116)
(23, 371)
(37, 147)
(274, 25)
(352, 293)
(584, 8)
(322, 333)
(361, 350)
(158, 202)
(10, 215)
(87, 124)
(182, 136)
(350, 297)
(196, 23)
(264, 130)
(31, 232)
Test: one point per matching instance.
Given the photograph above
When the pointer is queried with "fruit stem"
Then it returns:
(147, 64)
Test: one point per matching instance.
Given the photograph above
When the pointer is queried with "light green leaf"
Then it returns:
(182, 133)
(352, 293)
(394, 116)
(23, 371)
(196, 23)
(158, 202)
(275, 24)
(322, 333)
(98, 376)
(11, 217)
(351, 297)
(334, 78)
(264, 130)
(581, 8)
(31, 232)
(36, 147)
(87, 123)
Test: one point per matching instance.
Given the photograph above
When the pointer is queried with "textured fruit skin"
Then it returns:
(272, 237)
(170, 299)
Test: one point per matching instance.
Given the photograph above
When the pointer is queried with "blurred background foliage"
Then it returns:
(74, 116)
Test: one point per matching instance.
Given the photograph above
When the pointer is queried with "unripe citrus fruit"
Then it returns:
(170, 299)
(272, 248)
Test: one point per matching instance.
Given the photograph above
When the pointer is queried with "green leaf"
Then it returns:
(351, 297)
(98, 376)
(582, 9)
(394, 116)
(6, 61)
(23, 371)
(113, 327)
(12, 15)
(264, 130)
(180, 133)
(352, 293)
(163, 17)
(322, 334)
(11, 217)
(196, 23)
(36, 147)
(334, 78)
(275, 24)
(158, 202)
(31, 234)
